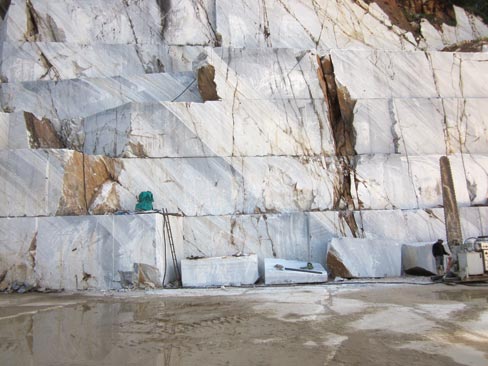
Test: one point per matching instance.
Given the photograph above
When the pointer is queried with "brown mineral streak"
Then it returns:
(335, 267)
(42, 133)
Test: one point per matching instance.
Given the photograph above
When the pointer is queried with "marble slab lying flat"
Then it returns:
(220, 271)
(275, 276)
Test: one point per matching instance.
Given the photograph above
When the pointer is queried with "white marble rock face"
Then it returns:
(18, 246)
(13, 131)
(32, 182)
(367, 258)
(220, 271)
(255, 171)
(275, 276)
(74, 98)
(185, 22)
(371, 74)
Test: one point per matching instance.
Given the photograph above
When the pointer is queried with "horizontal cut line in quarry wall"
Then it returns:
(79, 252)
(62, 182)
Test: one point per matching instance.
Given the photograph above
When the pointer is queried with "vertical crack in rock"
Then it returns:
(32, 251)
(42, 134)
(164, 7)
(206, 83)
(217, 41)
(86, 180)
(451, 213)
(341, 115)
(233, 223)
(266, 30)
(293, 15)
(273, 250)
(4, 5)
(136, 41)
(32, 28)
(48, 66)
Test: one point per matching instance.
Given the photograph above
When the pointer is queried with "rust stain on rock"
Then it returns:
(335, 267)
(98, 171)
(72, 199)
(206, 83)
(42, 134)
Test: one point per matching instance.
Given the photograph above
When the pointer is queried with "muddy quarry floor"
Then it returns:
(361, 324)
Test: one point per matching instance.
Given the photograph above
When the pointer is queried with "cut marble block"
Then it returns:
(220, 271)
(460, 75)
(18, 244)
(274, 276)
(219, 186)
(208, 129)
(30, 61)
(55, 61)
(276, 73)
(351, 257)
(89, 251)
(13, 131)
(369, 74)
(407, 182)
(74, 98)
(421, 126)
(283, 184)
(373, 123)
(417, 258)
(45, 182)
(467, 125)
(41, 182)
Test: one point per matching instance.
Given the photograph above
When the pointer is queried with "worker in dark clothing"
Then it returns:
(438, 251)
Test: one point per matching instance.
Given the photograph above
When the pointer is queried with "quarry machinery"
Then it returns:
(469, 258)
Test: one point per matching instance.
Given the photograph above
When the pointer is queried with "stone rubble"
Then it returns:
(281, 128)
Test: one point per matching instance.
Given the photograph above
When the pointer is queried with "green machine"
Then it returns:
(145, 201)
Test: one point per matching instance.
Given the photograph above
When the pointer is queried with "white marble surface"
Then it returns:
(368, 257)
(406, 182)
(31, 182)
(307, 24)
(185, 22)
(13, 131)
(391, 74)
(18, 245)
(80, 252)
(30, 61)
(418, 256)
(274, 276)
(73, 98)
(220, 271)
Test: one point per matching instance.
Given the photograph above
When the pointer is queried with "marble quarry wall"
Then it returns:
(263, 127)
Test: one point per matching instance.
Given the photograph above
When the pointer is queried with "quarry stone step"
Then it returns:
(75, 98)
(364, 258)
(82, 252)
